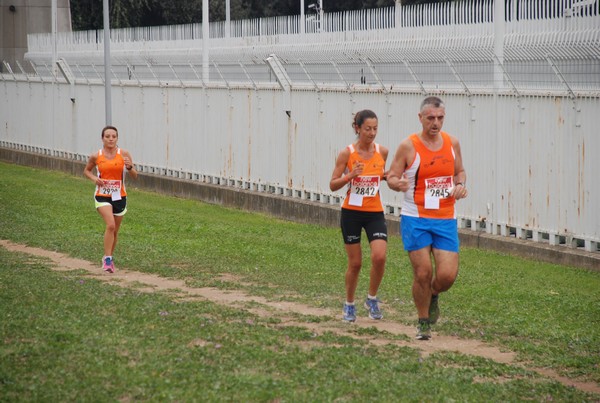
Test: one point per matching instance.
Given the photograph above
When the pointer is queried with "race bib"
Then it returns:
(112, 188)
(436, 189)
(363, 186)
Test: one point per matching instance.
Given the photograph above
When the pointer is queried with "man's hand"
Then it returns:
(459, 191)
(399, 184)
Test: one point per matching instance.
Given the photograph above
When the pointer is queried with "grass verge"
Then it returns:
(66, 337)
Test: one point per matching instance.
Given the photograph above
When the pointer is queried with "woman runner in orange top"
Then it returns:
(361, 167)
(112, 163)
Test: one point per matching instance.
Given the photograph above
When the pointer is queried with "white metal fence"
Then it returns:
(547, 46)
(525, 114)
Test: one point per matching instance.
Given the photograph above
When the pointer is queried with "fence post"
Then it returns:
(499, 34)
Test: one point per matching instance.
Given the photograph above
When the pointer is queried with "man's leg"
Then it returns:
(422, 277)
(446, 270)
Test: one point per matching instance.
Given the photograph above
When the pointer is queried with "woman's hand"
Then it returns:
(128, 163)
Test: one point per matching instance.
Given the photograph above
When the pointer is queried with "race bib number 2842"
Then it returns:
(363, 186)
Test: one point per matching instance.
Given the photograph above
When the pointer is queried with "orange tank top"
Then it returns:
(113, 172)
(363, 191)
(431, 178)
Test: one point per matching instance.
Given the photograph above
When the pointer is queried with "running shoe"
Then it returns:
(434, 309)
(108, 264)
(423, 330)
(349, 313)
(372, 306)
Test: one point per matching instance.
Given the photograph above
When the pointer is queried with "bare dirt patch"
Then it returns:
(262, 307)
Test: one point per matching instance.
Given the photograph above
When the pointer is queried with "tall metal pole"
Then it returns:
(499, 33)
(53, 18)
(321, 14)
(397, 11)
(227, 18)
(107, 66)
(205, 40)
(302, 18)
(54, 12)
(497, 141)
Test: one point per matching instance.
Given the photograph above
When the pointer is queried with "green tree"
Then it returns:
(88, 14)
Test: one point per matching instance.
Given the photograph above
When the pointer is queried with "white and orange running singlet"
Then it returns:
(431, 177)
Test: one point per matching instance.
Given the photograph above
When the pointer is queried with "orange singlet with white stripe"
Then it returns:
(431, 178)
(112, 171)
(363, 191)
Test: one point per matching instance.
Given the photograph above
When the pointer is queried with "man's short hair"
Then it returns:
(432, 101)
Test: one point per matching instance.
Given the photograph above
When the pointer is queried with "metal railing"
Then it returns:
(445, 14)
(547, 46)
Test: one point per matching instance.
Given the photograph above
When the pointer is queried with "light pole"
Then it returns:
(302, 18)
(205, 40)
(321, 12)
(54, 17)
(318, 7)
(227, 18)
(107, 66)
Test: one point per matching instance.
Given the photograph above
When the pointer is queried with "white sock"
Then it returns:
(371, 296)
(350, 303)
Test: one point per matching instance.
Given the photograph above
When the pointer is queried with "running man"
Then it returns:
(428, 168)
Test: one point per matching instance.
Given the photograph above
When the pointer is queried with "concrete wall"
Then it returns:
(299, 210)
(21, 17)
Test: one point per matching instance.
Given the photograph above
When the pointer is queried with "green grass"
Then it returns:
(68, 337)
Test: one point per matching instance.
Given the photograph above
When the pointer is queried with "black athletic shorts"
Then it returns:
(352, 222)
(119, 206)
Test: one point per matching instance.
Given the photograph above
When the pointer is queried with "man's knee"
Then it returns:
(444, 278)
(423, 274)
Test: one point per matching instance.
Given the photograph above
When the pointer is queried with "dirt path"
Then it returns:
(144, 282)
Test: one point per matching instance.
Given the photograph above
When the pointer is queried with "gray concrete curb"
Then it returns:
(294, 209)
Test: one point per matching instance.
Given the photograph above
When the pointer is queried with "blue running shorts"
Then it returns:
(417, 233)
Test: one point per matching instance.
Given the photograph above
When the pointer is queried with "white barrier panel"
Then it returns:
(530, 165)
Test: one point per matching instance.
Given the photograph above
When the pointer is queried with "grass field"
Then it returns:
(69, 336)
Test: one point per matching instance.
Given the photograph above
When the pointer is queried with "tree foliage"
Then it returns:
(88, 14)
